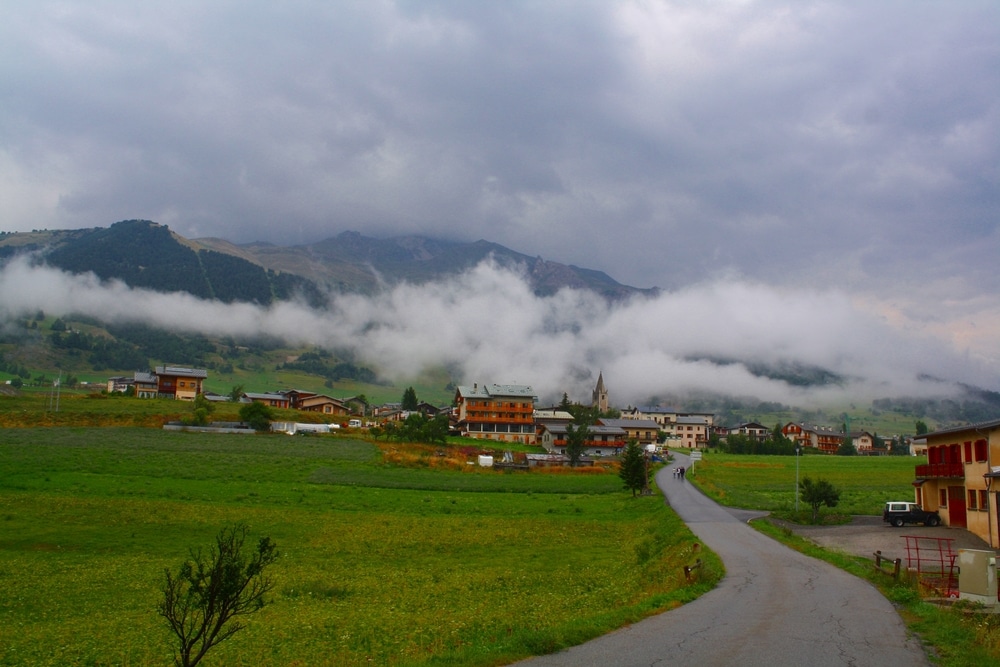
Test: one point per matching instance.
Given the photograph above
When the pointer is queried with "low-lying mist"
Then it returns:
(487, 326)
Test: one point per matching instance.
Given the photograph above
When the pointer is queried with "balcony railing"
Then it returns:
(930, 470)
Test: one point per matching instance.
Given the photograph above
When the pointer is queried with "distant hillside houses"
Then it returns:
(163, 382)
(507, 413)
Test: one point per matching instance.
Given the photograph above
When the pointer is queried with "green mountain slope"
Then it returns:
(146, 254)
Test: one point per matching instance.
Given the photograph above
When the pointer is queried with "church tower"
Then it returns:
(600, 400)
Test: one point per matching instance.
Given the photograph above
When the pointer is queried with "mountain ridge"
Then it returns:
(147, 254)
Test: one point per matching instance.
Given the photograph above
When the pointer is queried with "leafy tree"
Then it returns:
(847, 447)
(17, 383)
(236, 393)
(820, 492)
(258, 415)
(576, 439)
(201, 410)
(58, 325)
(632, 469)
(417, 428)
(921, 427)
(203, 601)
(409, 399)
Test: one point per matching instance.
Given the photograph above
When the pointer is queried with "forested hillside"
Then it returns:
(147, 255)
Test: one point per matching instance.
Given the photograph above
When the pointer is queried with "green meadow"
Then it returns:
(379, 564)
(768, 482)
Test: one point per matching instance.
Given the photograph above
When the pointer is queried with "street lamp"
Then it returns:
(798, 448)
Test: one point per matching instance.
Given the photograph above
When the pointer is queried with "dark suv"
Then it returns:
(899, 514)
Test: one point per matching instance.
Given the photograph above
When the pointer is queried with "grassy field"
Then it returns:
(768, 482)
(380, 564)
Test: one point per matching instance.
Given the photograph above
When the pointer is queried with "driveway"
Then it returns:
(865, 535)
(774, 607)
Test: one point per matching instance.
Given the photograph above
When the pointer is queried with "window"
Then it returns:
(984, 501)
(968, 451)
(943, 499)
(981, 448)
(972, 497)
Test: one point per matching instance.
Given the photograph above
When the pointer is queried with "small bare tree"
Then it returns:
(204, 599)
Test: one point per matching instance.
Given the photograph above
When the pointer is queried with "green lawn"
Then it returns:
(768, 482)
(379, 565)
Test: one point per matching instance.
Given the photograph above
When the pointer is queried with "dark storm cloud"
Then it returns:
(838, 144)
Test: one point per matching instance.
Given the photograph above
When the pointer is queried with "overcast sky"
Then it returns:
(802, 152)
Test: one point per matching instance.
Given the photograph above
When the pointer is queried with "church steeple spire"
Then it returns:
(600, 396)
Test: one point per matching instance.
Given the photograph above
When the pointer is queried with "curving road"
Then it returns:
(774, 607)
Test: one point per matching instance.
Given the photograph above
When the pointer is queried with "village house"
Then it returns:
(322, 403)
(662, 416)
(180, 383)
(601, 440)
(120, 384)
(753, 430)
(643, 431)
(864, 442)
(824, 439)
(274, 400)
(689, 432)
(665, 417)
(145, 384)
(496, 412)
(961, 474)
(545, 416)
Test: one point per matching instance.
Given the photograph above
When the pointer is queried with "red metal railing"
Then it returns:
(929, 470)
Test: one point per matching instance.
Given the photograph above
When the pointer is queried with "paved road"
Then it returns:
(775, 607)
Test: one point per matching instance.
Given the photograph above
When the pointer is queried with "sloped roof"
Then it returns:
(496, 390)
(559, 429)
(182, 372)
(630, 423)
(977, 426)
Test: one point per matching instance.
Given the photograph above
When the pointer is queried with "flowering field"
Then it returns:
(380, 564)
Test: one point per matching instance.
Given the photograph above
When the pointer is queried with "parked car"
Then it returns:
(899, 514)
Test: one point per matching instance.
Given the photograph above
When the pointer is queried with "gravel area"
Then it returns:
(865, 535)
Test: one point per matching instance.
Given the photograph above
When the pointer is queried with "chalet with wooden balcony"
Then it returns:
(824, 439)
(327, 405)
(643, 431)
(961, 479)
(180, 383)
(274, 400)
(601, 440)
(503, 412)
(753, 430)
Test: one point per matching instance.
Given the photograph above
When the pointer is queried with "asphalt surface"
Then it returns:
(775, 607)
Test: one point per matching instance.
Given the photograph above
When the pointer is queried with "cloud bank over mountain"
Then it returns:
(841, 145)
(487, 326)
